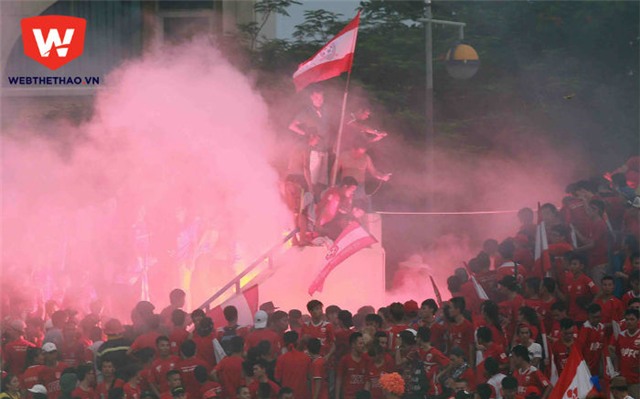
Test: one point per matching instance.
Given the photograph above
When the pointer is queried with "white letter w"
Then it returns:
(53, 40)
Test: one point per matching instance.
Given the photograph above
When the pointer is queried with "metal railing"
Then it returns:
(235, 282)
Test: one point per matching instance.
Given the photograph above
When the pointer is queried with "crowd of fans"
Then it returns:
(586, 298)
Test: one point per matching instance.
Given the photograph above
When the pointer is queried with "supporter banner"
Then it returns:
(246, 303)
(352, 239)
(333, 59)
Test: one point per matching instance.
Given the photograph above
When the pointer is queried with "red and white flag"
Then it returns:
(482, 294)
(352, 239)
(246, 303)
(575, 379)
(331, 60)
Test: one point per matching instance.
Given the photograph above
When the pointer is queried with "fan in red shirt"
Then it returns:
(491, 319)
(177, 299)
(634, 282)
(547, 299)
(427, 313)
(72, 349)
(433, 360)
(203, 338)
(377, 367)
(229, 371)
(489, 349)
(319, 328)
(260, 333)
(509, 308)
(35, 366)
(342, 332)
(131, 388)
(459, 370)
(508, 267)
(50, 377)
(179, 333)
(627, 351)
(527, 375)
(563, 346)
(460, 330)
(148, 339)
(317, 371)
(173, 380)
(260, 378)
(86, 381)
(591, 339)
(208, 389)
(351, 375)
(109, 380)
(579, 288)
(559, 245)
(186, 366)
(396, 323)
(163, 363)
(14, 353)
(612, 307)
(292, 368)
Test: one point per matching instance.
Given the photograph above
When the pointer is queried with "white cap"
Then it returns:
(260, 320)
(49, 347)
(38, 388)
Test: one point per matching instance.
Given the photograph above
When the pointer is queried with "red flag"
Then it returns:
(575, 379)
(246, 303)
(352, 239)
(331, 60)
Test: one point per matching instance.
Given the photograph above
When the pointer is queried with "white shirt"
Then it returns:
(496, 383)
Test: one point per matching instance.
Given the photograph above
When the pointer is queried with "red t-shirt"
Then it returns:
(176, 338)
(82, 394)
(509, 309)
(189, 382)
(461, 335)
(592, 341)
(264, 334)
(557, 252)
(560, 354)
(14, 355)
(318, 374)
(131, 392)
(229, 372)
(628, 352)
(353, 374)
(323, 331)
(612, 309)
(210, 389)
(253, 388)
(292, 370)
(146, 340)
(31, 376)
(102, 390)
(626, 298)
(579, 287)
(498, 336)
(204, 349)
(50, 377)
(575, 213)
(373, 376)
(433, 362)
(342, 343)
(159, 369)
(509, 269)
(531, 377)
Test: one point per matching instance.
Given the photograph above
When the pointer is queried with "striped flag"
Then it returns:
(479, 290)
(333, 59)
(352, 239)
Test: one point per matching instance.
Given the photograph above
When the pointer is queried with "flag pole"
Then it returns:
(334, 168)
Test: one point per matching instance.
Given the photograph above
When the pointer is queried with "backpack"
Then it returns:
(225, 340)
